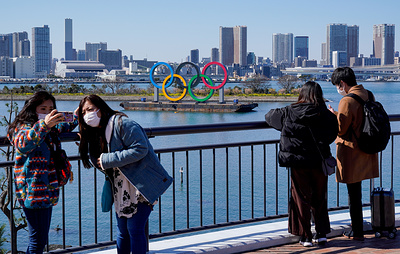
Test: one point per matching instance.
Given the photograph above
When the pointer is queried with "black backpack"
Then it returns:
(375, 131)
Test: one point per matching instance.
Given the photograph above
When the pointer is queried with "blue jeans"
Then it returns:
(39, 225)
(131, 236)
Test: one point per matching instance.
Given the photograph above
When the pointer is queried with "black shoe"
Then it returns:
(350, 235)
(320, 239)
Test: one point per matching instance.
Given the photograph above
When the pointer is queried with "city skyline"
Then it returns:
(161, 31)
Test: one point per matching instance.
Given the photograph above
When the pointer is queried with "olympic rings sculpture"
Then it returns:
(194, 81)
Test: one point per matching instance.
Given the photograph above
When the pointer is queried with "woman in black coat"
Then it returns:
(302, 124)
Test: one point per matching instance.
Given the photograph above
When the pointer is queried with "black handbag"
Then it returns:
(328, 164)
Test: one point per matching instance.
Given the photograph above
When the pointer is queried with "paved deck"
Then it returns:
(273, 237)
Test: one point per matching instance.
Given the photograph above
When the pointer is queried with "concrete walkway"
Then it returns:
(246, 238)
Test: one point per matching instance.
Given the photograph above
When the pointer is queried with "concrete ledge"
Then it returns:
(247, 238)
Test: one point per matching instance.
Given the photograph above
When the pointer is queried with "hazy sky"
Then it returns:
(167, 30)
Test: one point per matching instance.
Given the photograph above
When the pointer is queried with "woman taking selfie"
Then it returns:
(34, 133)
(119, 147)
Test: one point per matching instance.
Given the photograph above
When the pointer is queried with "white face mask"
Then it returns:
(41, 116)
(342, 92)
(92, 119)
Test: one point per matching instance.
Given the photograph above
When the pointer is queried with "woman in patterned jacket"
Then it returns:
(34, 129)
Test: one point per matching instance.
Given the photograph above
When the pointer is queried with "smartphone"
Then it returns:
(69, 116)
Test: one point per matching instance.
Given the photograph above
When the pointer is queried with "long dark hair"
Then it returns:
(28, 115)
(311, 92)
(93, 140)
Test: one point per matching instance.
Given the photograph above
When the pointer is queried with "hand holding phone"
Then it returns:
(68, 115)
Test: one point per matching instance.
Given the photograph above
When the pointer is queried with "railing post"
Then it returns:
(11, 218)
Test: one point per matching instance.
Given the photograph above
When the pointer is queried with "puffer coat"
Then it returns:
(297, 145)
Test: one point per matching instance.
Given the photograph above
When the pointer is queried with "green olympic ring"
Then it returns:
(194, 96)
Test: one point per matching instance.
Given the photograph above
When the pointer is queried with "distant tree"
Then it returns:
(258, 84)
(288, 82)
(114, 84)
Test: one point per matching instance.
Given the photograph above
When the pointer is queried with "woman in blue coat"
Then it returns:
(303, 125)
(120, 148)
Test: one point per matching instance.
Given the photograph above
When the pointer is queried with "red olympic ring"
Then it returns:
(225, 75)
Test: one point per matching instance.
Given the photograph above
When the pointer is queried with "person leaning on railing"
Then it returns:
(302, 125)
(119, 147)
(34, 129)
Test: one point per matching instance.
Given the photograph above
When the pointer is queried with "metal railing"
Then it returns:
(215, 185)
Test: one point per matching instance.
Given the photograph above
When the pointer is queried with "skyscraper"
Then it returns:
(41, 49)
(301, 46)
(240, 45)
(282, 48)
(194, 56)
(19, 42)
(352, 42)
(214, 55)
(383, 43)
(336, 39)
(324, 58)
(68, 40)
(226, 48)
(92, 48)
(6, 48)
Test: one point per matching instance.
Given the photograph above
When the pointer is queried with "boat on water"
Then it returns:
(189, 106)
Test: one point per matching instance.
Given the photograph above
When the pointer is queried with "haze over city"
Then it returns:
(168, 30)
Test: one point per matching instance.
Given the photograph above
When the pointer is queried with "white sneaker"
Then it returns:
(306, 243)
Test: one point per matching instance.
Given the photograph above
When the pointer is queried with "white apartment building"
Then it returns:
(24, 67)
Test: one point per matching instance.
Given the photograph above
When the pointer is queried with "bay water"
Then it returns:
(388, 93)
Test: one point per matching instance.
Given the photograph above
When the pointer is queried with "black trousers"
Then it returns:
(308, 195)
(355, 203)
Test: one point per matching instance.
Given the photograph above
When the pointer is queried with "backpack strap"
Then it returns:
(357, 98)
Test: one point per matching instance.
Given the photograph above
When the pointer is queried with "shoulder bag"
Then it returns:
(328, 164)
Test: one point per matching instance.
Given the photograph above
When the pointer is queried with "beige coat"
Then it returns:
(353, 164)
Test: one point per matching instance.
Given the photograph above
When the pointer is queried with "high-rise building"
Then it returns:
(24, 48)
(92, 48)
(41, 49)
(6, 66)
(214, 55)
(339, 58)
(81, 55)
(112, 59)
(226, 48)
(336, 39)
(194, 56)
(352, 42)
(324, 58)
(68, 40)
(240, 45)
(19, 38)
(6, 47)
(383, 43)
(301, 46)
(282, 48)
(251, 58)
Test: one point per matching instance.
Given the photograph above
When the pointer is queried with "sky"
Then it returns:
(163, 30)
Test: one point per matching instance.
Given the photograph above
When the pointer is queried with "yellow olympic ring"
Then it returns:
(165, 91)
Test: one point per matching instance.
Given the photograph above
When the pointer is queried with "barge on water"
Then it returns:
(189, 106)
